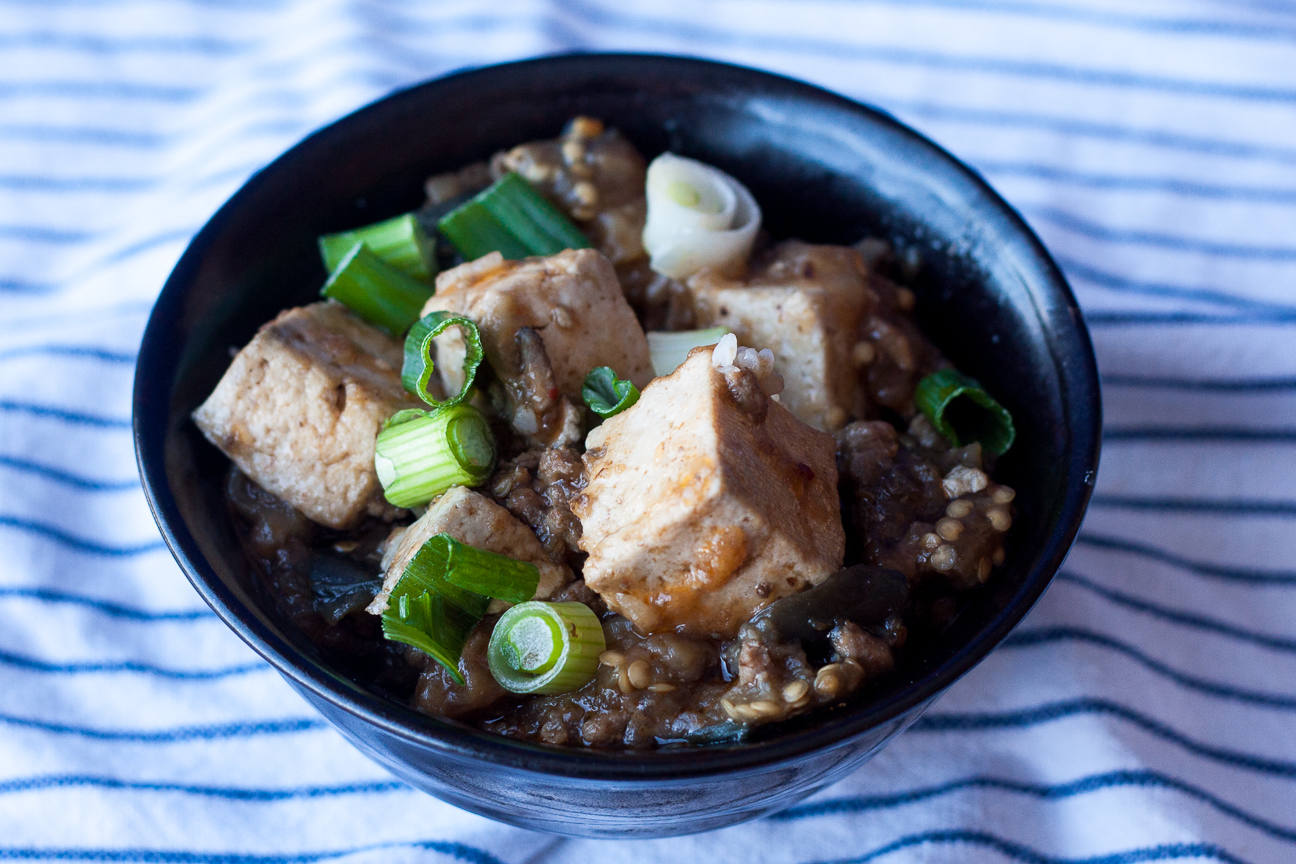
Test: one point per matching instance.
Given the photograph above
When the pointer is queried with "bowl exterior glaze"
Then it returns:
(824, 169)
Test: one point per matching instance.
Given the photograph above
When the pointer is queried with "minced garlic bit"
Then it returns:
(728, 357)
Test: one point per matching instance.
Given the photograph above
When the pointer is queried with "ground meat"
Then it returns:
(438, 695)
(537, 487)
(892, 354)
(927, 511)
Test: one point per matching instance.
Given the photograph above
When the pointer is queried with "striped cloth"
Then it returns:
(1145, 710)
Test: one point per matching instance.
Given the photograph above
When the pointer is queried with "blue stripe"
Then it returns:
(1125, 183)
(457, 851)
(1186, 619)
(1106, 131)
(175, 235)
(1053, 711)
(1053, 635)
(115, 610)
(712, 37)
(1076, 269)
(64, 781)
(60, 476)
(74, 417)
(81, 544)
(1149, 319)
(1155, 239)
(123, 90)
(177, 734)
(90, 43)
(1223, 385)
(1217, 571)
(1200, 433)
(82, 135)
(1222, 507)
(41, 234)
(34, 183)
(1058, 792)
(1027, 855)
(103, 354)
(60, 320)
(33, 664)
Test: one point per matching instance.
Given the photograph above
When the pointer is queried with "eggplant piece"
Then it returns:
(868, 596)
(340, 586)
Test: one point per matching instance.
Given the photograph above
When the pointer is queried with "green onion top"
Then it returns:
(416, 371)
(964, 412)
(401, 242)
(445, 590)
(513, 218)
(420, 454)
(376, 291)
(606, 394)
(545, 648)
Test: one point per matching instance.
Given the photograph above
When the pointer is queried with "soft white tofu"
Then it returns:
(804, 303)
(572, 299)
(299, 408)
(471, 518)
(705, 501)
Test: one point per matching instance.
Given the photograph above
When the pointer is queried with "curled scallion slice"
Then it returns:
(545, 648)
(698, 216)
(420, 454)
(416, 371)
(606, 394)
(962, 411)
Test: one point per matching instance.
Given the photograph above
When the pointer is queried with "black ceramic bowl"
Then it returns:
(824, 169)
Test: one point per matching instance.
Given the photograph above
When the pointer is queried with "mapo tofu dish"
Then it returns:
(576, 453)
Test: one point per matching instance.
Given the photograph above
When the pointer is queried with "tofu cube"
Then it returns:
(472, 518)
(572, 299)
(705, 501)
(299, 408)
(805, 304)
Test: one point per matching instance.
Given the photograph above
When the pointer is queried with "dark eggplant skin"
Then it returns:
(866, 595)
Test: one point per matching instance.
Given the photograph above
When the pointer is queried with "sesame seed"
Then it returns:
(999, 519)
(639, 673)
(765, 708)
(828, 680)
(930, 541)
(958, 509)
(944, 558)
(795, 692)
(949, 529)
(611, 658)
(1003, 495)
(661, 687)
(623, 681)
(983, 569)
(729, 709)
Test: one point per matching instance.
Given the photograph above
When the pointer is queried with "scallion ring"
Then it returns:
(376, 291)
(420, 454)
(545, 648)
(401, 242)
(416, 371)
(962, 411)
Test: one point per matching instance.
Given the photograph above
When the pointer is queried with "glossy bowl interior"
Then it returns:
(824, 169)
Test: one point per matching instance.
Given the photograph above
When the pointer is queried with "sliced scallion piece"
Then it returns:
(429, 570)
(431, 624)
(545, 648)
(416, 371)
(606, 394)
(670, 348)
(964, 412)
(376, 291)
(419, 454)
(488, 573)
(513, 218)
(401, 242)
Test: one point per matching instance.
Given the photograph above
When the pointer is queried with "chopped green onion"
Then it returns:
(431, 624)
(670, 349)
(445, 590)
(376, 291)
(964, 412)
(488, 573)
(416, 371)
(401, 242)
(545, 648)
(420, 454)
(513, 218)
(607, 394)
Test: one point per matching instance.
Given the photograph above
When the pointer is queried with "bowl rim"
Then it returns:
(667, 765)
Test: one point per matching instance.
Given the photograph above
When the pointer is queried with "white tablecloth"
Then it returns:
(1145, 710)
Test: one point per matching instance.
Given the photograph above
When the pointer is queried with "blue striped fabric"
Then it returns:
(1145, 710)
